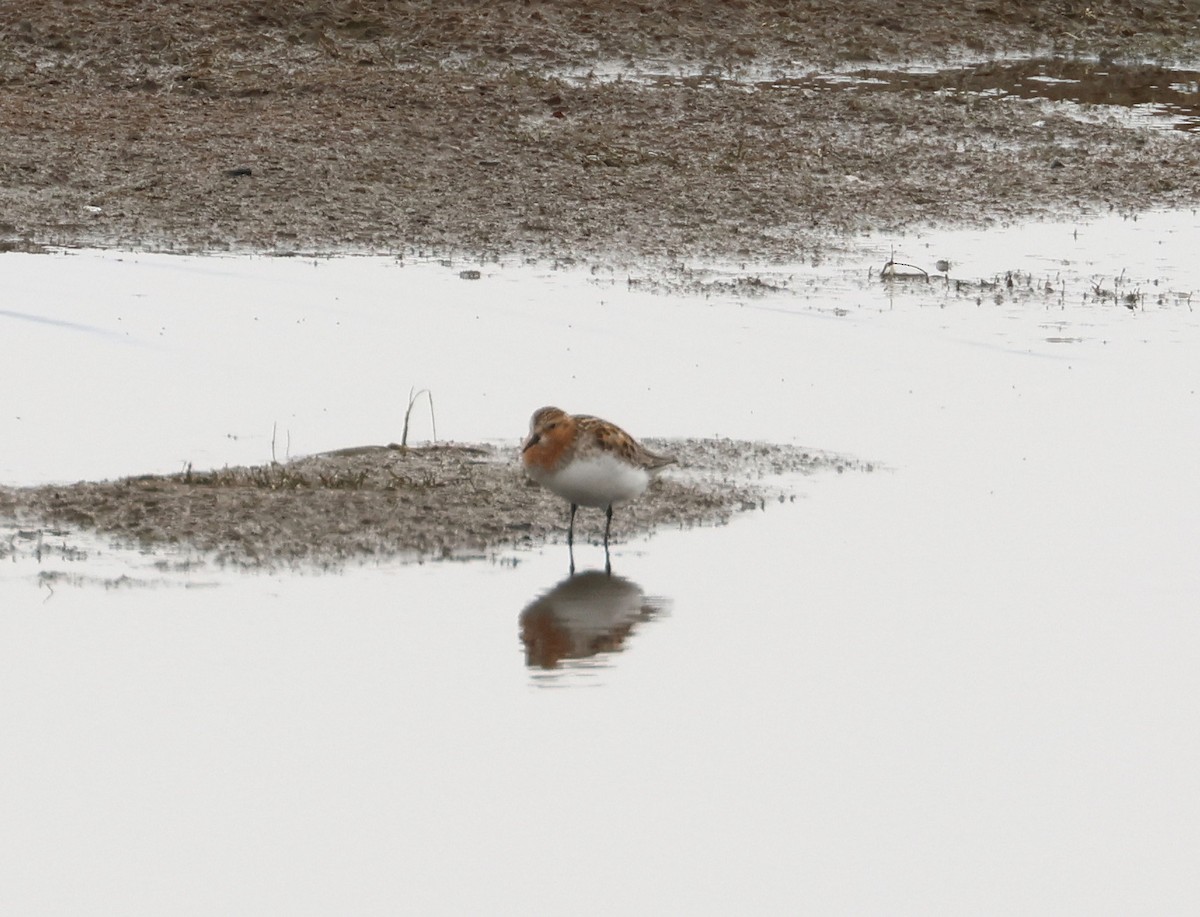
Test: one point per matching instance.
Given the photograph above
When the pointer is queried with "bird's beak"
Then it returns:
(531, 441)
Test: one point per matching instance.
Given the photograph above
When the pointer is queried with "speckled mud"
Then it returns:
(381, 502)
(335, 125)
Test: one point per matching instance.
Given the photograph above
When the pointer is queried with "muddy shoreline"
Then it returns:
(475, 128)
(380, 502)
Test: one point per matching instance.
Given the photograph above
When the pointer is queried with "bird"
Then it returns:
(588, 462)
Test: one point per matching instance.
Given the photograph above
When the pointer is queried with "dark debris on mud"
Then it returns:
(384, 502)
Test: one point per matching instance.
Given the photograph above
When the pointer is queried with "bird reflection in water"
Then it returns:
(585, 615)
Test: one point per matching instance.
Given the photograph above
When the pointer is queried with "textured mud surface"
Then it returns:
(327, 125)
(381, 502)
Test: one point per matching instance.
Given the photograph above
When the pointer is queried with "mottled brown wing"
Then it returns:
(609, 437)
(653, 460)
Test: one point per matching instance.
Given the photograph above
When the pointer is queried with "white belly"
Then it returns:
(598, 480)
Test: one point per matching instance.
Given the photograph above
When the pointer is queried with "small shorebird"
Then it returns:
(587, 461)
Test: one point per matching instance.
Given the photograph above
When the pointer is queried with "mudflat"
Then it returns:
(431, 502)
(363, 125)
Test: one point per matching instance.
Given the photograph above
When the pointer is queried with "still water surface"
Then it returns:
(963, 683)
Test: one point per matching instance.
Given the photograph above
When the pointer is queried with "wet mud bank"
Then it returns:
(532, 128)
(385, 502)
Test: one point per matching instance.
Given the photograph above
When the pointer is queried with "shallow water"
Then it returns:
(963, 684)
(1154, 95)
(1149, 94)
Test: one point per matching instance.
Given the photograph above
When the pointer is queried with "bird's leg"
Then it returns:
(607, 526)
(571, 540)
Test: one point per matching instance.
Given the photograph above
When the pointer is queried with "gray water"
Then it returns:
(962, 683)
